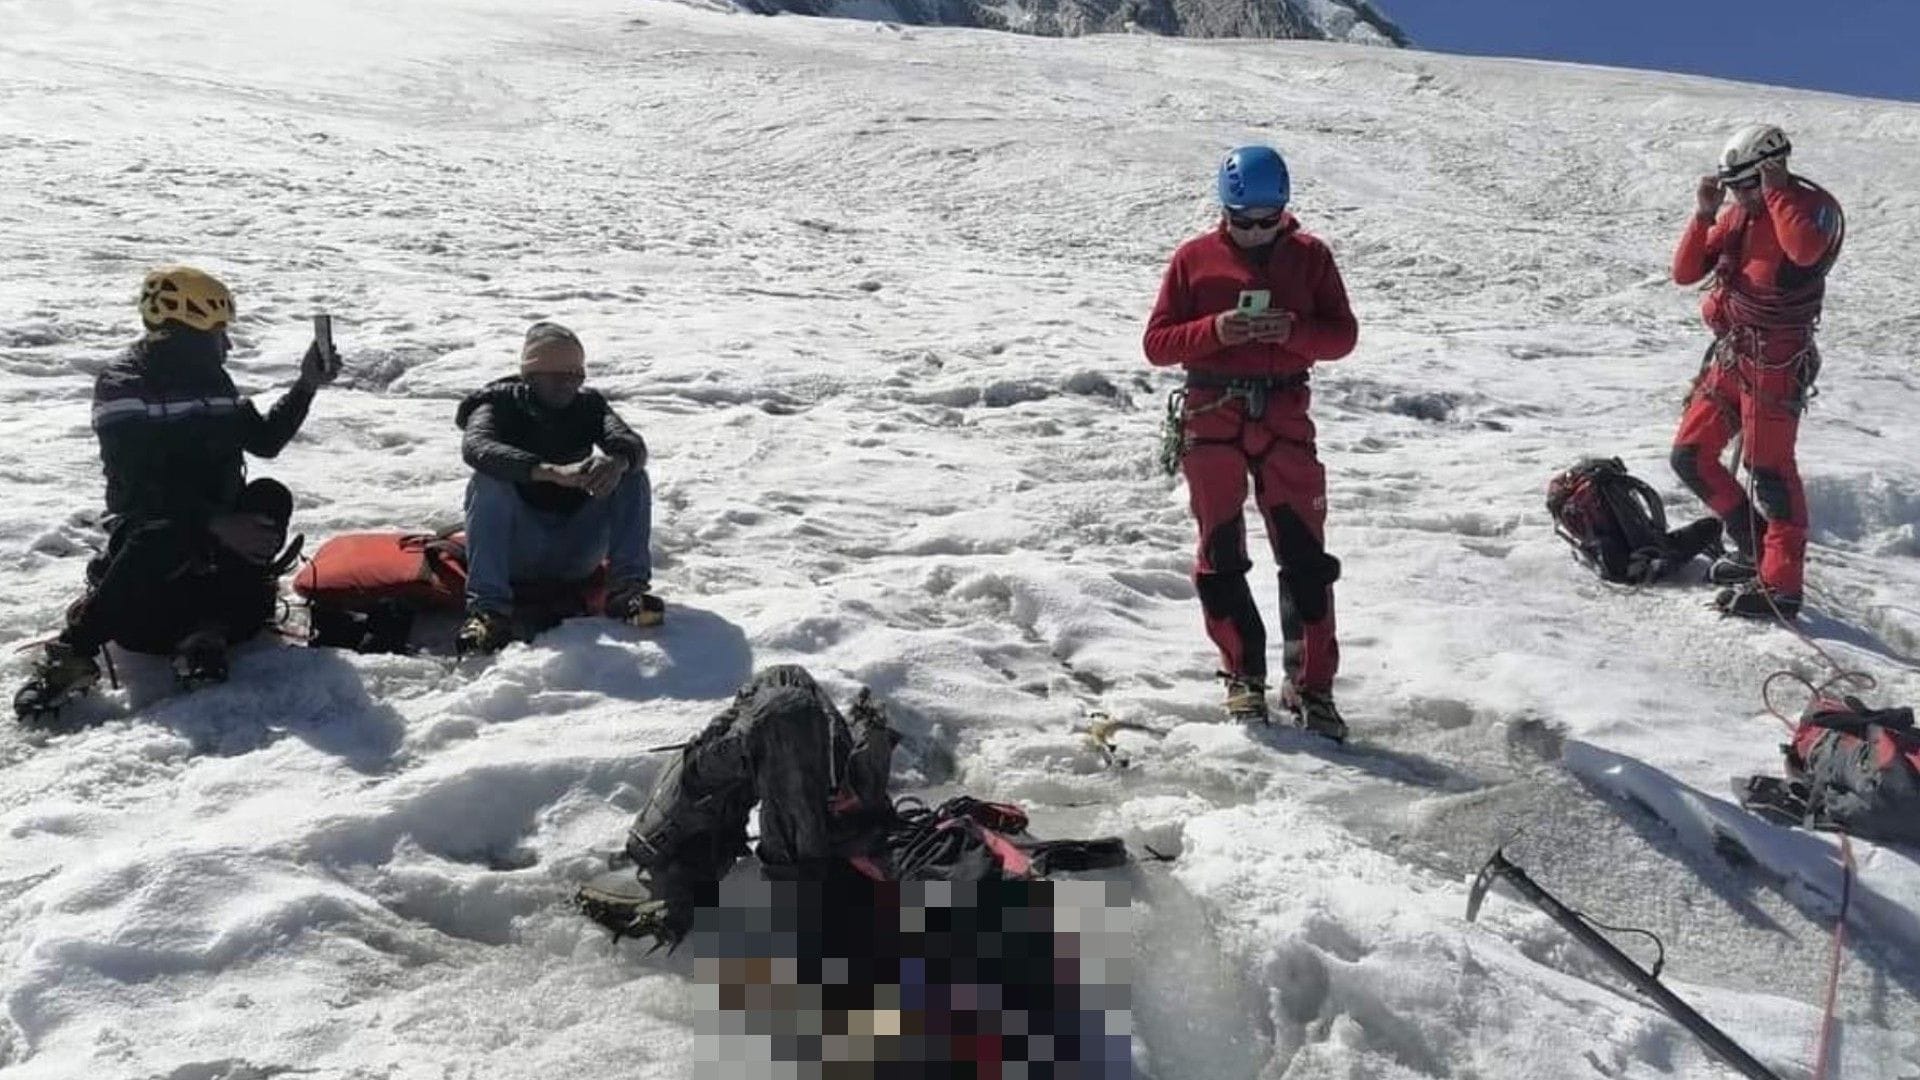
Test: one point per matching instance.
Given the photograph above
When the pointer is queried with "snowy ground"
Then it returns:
(874, 296)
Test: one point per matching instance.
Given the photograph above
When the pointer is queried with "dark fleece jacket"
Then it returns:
(508, 432)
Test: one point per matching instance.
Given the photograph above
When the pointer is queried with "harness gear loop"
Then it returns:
(1173, 435)
(1252, 390)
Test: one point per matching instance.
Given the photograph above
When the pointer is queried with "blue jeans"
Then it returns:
(509, 541)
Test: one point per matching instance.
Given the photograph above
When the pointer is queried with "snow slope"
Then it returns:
(874, 296)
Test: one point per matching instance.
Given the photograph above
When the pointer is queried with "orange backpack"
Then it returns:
(364, 589)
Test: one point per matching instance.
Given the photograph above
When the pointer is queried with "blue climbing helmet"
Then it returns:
(1254, 176)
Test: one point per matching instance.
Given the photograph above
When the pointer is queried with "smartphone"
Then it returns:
(1254, 301)
(323, 339)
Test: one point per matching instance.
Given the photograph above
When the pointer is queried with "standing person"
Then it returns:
(1769, 252)
(559, 484)
(193, 550)
(1247, 309)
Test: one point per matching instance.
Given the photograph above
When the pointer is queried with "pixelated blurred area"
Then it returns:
(914, 979)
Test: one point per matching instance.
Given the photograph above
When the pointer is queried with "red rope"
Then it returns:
(1823, 1046)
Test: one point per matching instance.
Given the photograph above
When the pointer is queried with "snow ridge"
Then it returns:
(1357, 22)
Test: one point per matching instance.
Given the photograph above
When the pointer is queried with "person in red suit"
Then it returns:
(1247, 309)
(1768, 251)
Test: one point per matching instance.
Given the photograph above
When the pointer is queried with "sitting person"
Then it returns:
(543, 507)
(193, 551)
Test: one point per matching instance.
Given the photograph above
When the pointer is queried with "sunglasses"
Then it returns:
(1242, 221)
(1748, 184)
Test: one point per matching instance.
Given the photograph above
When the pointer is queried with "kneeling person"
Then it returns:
(193, 551)
(559, 485)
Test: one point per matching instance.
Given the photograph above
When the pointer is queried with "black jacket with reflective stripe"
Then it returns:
(174, 431)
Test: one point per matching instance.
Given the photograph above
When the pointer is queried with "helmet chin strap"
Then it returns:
(1751, 169)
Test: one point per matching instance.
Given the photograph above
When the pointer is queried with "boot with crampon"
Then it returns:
(62, 674)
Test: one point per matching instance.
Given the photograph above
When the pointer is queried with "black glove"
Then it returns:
(316, 370)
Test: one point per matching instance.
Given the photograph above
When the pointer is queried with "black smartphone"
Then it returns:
(323, 339)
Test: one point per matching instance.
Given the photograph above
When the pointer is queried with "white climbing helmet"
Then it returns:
(1751, 145)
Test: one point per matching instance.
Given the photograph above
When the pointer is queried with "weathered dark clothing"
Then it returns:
(821, 784)
(782, 744)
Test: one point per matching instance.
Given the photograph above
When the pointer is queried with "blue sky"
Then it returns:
(1869, 47)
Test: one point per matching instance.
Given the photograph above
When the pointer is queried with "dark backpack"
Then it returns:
(969, 839)
(1618, 527)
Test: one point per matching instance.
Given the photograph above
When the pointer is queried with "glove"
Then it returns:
(315, 370)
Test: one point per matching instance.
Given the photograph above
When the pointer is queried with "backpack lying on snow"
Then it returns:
(1618, 527)
(363, 590)
(1850, 768)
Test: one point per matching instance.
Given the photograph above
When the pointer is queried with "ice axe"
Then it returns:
(1647, 982)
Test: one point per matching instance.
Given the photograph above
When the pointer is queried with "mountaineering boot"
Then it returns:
(200, 659)
(636, 606)
(1781, 801)
(483, 632)
(1314, 711)
(1732, 568)
(62, 674)
(1246, 698)
(1755, 601)
(625, 903)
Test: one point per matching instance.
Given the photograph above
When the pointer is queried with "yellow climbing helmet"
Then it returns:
(187, 296)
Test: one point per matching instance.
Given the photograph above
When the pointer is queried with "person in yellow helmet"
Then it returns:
(193, 549)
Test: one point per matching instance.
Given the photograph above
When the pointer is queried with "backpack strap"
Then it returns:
(445, 557)
(1632, 501)
(290, 557)
(1050, 856)
(1648, 499)
(1641, 521)
(1851, 716)
(1013, 861)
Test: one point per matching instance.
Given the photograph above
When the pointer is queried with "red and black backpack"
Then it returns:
(969, 839)
(1860, 768)
(364, 589)
(1618, 526)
